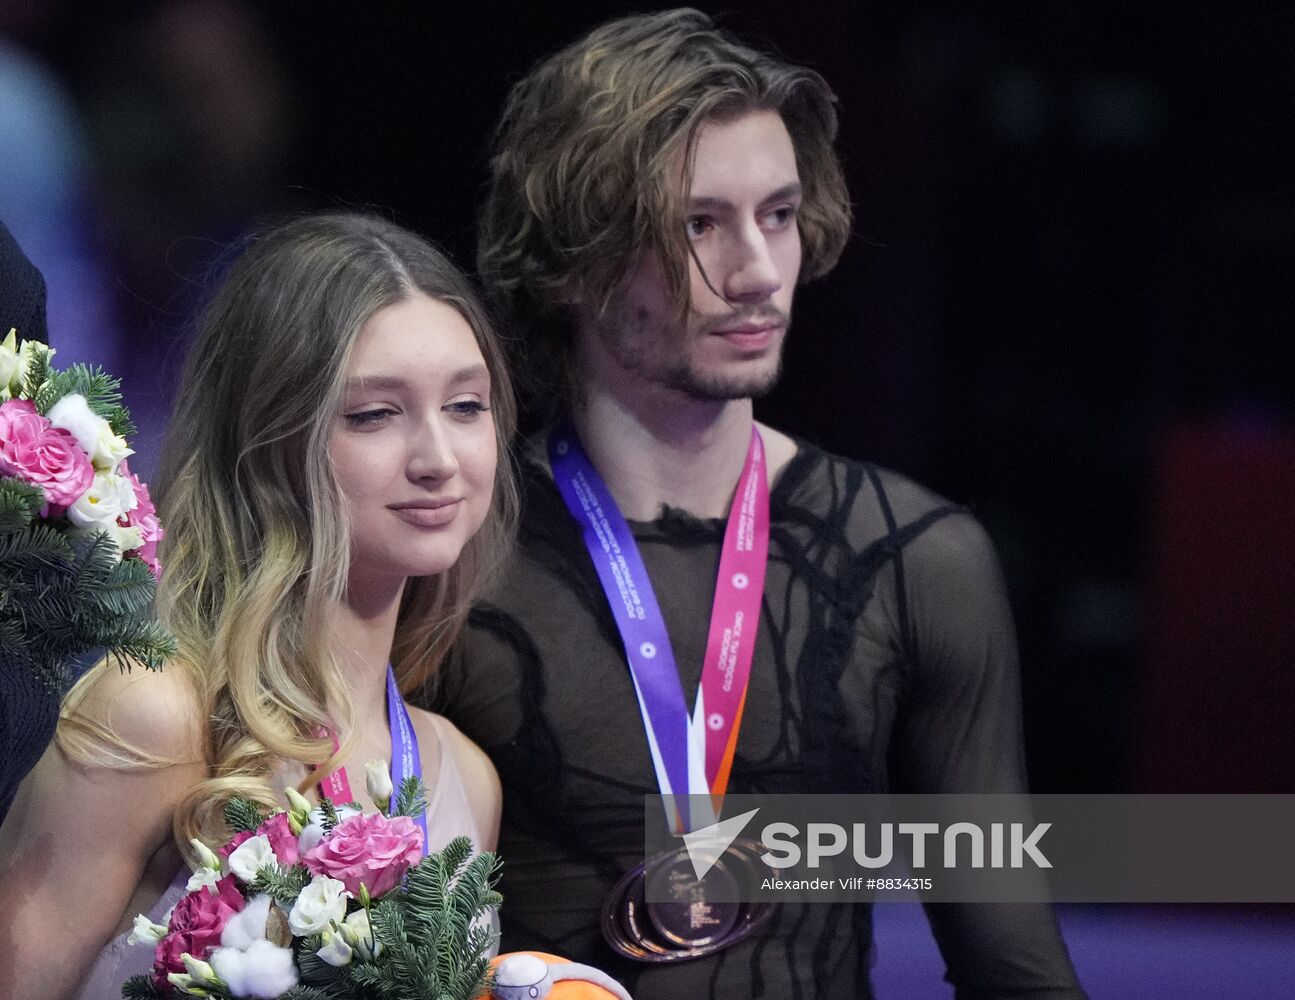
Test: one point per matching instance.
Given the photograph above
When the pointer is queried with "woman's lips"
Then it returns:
(430, 515)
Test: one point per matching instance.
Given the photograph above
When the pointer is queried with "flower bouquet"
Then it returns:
(327, 903)
(78, 532)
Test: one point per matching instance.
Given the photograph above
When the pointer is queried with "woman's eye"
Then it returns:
(697, 225)
(467, 408)
(365, 418)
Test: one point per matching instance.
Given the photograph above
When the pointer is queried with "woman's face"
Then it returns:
(414, 444)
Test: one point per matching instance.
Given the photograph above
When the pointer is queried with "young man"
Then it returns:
(658, 191)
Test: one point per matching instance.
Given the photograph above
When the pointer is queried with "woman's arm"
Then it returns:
(78, 837)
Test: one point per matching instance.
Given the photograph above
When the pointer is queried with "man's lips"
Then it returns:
(430, 513)
(750, 336)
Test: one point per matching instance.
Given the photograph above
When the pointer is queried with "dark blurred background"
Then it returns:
(1063, 304)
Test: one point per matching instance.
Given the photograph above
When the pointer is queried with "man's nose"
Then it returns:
(753, 274)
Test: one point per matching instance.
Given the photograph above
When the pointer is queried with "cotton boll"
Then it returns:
(246, 927)
(262, 971)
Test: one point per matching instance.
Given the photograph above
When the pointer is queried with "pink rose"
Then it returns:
(34, 450)
(282, 840)
(143, 517)
(196, 925)
(372, 849)
(234, 843)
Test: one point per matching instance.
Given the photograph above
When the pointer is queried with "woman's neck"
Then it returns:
(362, 629)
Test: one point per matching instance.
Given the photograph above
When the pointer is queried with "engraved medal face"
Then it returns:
(698, 919)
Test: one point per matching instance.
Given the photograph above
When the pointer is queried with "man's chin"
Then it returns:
(722, 387)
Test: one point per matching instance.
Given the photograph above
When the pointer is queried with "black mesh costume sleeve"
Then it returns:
(885, 658)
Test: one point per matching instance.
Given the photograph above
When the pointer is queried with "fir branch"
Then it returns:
(118, 418)
(141, 988)
(312, 993)
(284, 885)
(20, 503)
(411, 800)
(330, 818)
(39, 546)
(242, 816)
(38, 373)
(102, 392)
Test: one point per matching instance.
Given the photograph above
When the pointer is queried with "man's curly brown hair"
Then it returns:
(584, 177)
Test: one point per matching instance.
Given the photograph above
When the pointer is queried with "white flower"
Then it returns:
(247, 926)
(108, 498)
(359, 935)
(17, 365)
(313, 832)
(262, 970)
(377, 779)
(206, 856)
(336, 952)
(11, 369)
(319, 905)
(204, 878)
(29, 350)
(109, 450)
(198, 969)
(146, 932)
(250, 857)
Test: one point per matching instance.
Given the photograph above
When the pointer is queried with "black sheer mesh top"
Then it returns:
(886, 659)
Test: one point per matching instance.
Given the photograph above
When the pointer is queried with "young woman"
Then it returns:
(334, 493)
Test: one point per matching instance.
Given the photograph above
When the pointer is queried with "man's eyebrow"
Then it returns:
(792, 190)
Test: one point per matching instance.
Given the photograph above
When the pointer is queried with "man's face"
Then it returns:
(741, 226)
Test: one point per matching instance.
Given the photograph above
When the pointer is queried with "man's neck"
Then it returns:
(654, 445)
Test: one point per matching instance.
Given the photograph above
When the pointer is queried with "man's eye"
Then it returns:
(368, 417)
(697, 225)
(782, 217)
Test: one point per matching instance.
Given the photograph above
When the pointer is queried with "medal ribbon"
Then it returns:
(405, 759)
(691, 755)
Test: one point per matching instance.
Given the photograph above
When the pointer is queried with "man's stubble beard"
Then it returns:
(630, 343)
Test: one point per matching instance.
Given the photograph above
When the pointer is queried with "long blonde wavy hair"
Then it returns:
(257, 546)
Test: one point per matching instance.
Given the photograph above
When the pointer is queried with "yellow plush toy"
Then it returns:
(533, 975)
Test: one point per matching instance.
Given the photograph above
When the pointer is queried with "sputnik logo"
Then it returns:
(705, 846)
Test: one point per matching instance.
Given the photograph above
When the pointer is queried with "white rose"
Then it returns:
(247, 926)
(336, 952)
(74, 415)
(250, 857)
(377, 780)
(263, 970)
(313, 832)
(319, 905)
(359, 935)
(108, 498)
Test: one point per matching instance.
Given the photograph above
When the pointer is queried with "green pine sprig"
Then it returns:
(242, 816)
(284, 885)
(411, 799)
